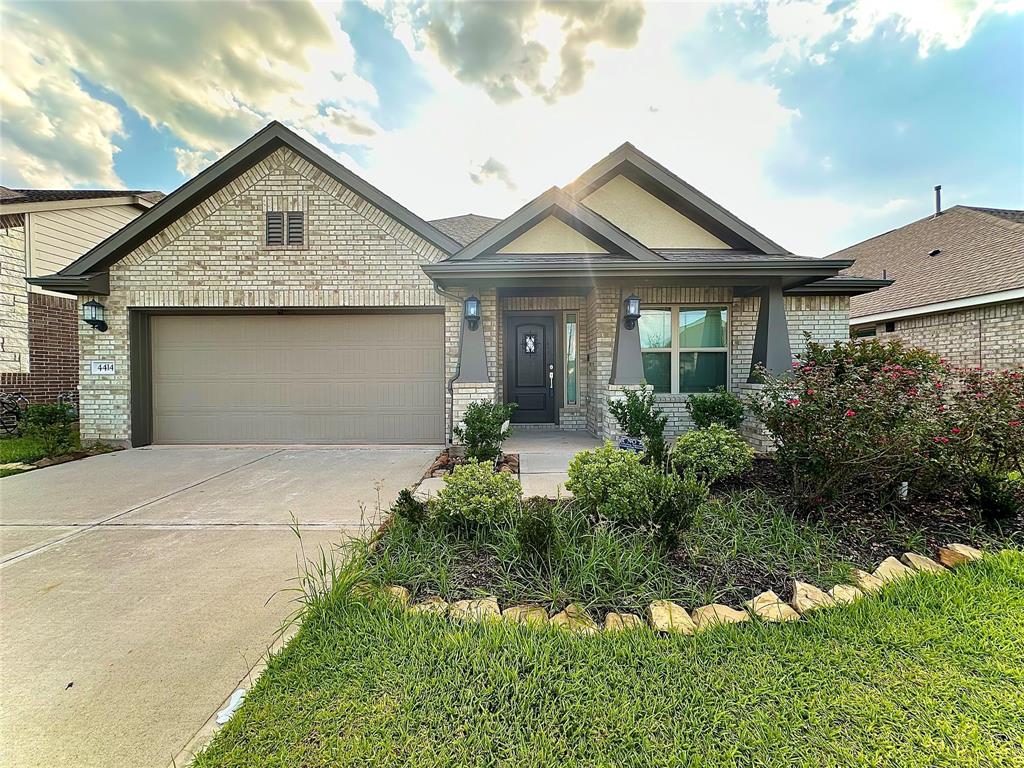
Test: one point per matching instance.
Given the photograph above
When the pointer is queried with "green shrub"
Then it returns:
(481, 429)
(638, 416)
(475, 493)
(999, 495)
(718, 407)
(534, 529)
(676, 500)
(712, 454)
(409, 508)
(51, 425)
(870, 354)
(613, 484)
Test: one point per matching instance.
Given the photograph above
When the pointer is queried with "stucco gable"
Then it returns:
(552, 235)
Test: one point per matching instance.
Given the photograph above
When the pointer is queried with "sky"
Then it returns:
(819, 123)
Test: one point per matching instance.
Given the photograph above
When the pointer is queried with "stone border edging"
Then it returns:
(668, 617)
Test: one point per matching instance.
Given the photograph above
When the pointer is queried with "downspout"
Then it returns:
(458, 366)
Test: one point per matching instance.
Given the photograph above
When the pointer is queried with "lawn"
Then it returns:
(24, 450)
(930, 672)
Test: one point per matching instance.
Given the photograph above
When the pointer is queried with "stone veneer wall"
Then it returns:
(14, 357)
(355, 256)
(990, 336)
(52, 350)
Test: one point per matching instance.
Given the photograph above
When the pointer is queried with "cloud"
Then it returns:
(190, 162)
(507, 48)
(54, 133)
(492, 169)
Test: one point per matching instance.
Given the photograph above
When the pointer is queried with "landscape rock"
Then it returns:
(575, 619)
(709, 615)
(921, 563)
(866, 581)
(526, 614)
(398, 594)
(953, 555)
(770, 607)
(615, 622)
(430, 605)
(666, 616)
(807, 597)
(21, 467)
(475, 610)
(892, 569)
(846, 594)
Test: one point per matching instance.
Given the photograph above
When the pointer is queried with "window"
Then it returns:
(864, 333)
(685, 349)
(275, 228)
(570, 359)
(890, 327)
(278, 234)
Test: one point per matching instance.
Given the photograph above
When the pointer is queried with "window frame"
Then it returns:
(676, 349)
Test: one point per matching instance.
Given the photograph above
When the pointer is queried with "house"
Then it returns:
(958, 285)
(279, 298)
(42, 231)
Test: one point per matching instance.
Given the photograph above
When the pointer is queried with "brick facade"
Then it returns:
(52, 350)
(991, 336)
(13, 297)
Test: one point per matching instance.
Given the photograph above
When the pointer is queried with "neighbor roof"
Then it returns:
(465, 228)
(8, 195)
(979, 251)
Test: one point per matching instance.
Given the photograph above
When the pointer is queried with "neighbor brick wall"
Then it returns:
(990, 336)
(355, 256)
(52, 350)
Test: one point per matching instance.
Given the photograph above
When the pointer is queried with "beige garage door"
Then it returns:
(370, 378)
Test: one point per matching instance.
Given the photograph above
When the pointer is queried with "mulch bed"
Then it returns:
(447, 460)
(50, 461)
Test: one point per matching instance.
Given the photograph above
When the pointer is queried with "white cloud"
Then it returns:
(190, 162)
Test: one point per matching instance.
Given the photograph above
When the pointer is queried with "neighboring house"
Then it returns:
(958, 285)
(279, 298)
(41, 232)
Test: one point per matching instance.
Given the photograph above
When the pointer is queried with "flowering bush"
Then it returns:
(846, 421)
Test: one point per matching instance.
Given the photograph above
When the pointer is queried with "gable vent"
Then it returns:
(275, 228)
(296, 234)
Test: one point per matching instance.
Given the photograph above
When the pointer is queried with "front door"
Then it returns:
(530, 351)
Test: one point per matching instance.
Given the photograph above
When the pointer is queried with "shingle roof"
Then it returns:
(466, 228)
(725, 254)
(979, 251)
(8, 195)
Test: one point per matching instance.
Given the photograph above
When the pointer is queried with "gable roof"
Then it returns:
(9, 196)
(659, 181)
(465, 228)
(979, 251)
(557, 203)
(233, 164)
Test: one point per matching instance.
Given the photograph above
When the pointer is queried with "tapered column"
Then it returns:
(628, 362)
(771, 339)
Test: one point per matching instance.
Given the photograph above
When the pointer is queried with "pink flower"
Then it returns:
(955, 430)
(1014, 423)
(941, 439)
(793, 401)
(810, 391)
(851, 413)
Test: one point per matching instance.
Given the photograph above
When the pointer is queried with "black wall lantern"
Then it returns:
(92, 313)
(471, 311)
(632, 313)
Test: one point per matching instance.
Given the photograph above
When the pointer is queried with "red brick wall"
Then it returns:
(52, 350)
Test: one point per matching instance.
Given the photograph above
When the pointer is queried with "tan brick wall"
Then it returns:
(990, 337)
(14, 357)
(355, 256)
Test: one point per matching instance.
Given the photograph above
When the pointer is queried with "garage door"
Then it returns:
(370, 378)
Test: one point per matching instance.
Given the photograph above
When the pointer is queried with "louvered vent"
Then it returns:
(275, 228)
(295, 228)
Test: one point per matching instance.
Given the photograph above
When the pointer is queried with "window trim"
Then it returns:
(675, 350)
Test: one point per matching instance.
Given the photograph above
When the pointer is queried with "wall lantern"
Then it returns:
(471, 311)
(632, 313)
(92, 313)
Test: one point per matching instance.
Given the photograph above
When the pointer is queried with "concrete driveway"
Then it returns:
(135, 586)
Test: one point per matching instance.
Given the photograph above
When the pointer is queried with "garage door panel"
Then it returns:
(298, 378)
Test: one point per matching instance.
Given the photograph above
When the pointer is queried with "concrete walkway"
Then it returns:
(140, 588)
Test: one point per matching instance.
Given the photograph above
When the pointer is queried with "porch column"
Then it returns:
(627, 363)
(771, 339)
(472, 354)
(473, 382)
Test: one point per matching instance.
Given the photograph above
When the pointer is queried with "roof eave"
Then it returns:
(92, 284)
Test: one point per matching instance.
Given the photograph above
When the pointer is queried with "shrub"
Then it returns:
(612, 484)
(638, 416)
(534, 529)
(870, 354)
(474, 493)
(409, 508)
(999, 495)
(52, 425)
(718, 407)
(712, 454)
(481, 429)
(676, 500)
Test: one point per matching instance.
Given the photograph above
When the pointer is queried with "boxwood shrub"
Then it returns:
(613, 484)
(474, 493)
(712, 454)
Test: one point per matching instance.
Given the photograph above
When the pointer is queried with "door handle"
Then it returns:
(551, 377)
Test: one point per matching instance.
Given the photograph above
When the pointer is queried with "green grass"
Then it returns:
(928, 673)
(25, 450)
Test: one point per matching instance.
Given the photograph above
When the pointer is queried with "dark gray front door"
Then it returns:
(530, 366)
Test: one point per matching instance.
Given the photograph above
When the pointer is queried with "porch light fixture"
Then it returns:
(471, 311)
(632, 313)
(92, 313)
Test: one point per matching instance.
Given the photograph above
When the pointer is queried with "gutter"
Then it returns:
(634, 269)
(91, 284)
